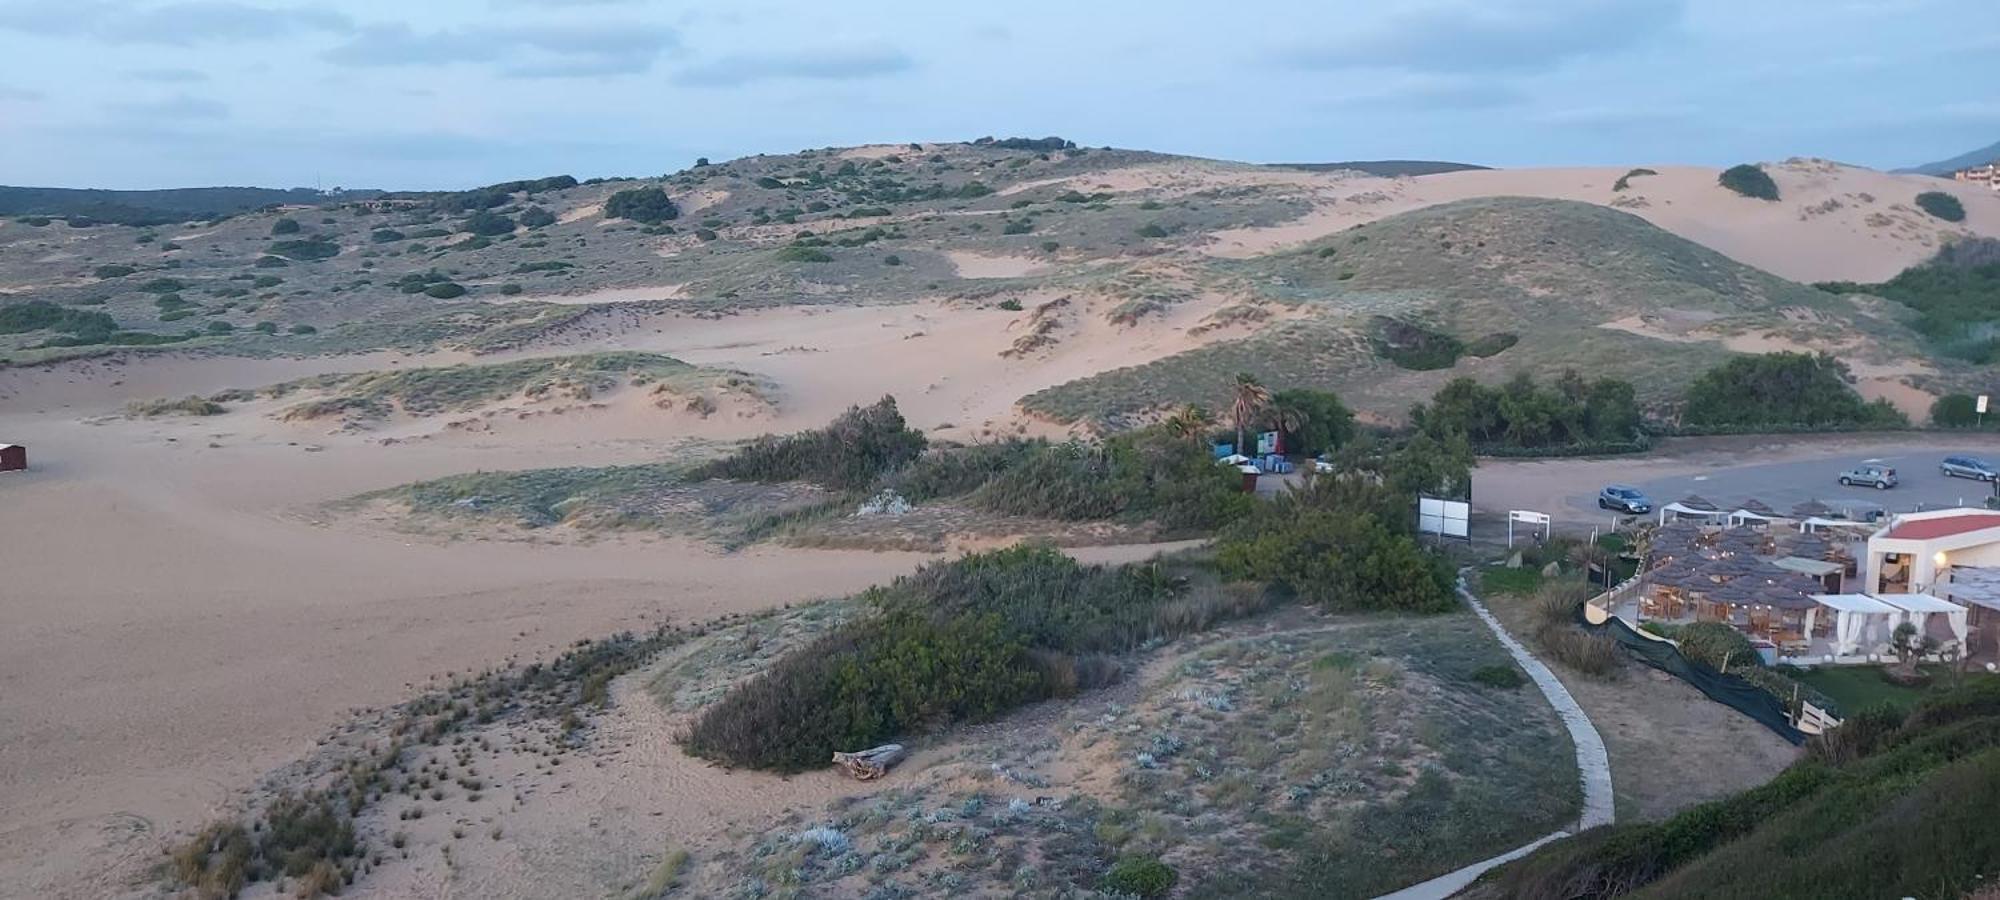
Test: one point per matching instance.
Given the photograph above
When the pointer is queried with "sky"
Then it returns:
(445, 94)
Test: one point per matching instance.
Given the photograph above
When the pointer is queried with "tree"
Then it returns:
(1313, 421)
(1189, 423)
(649, 206)
(1910, 647)
(1941, 205)
(1957, 411)
(1750, 181)
(1248, 397)
(1796, 389)
(537, 217)
(286, 225)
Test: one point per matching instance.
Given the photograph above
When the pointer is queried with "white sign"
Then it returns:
(1980, 406)
(1526, 517)
(1450, 518)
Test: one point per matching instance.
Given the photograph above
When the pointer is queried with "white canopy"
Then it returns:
(1975, 585)
(1691, 512)
(1917, 608)
(1855, 618)
(1233, 459)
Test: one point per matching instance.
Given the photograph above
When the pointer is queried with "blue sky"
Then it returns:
(453, 93)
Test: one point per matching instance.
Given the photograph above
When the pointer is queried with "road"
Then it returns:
(1781, 472)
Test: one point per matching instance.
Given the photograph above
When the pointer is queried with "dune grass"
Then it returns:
(428, 391)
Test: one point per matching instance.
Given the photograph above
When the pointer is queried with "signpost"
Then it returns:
(1979, 407)
(1529, 518)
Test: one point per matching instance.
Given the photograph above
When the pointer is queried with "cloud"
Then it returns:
(168, 76)
(14, 94)
(175, 24)
(1500, 35)
(529, 52)
(833, 64)
(179, 107)
(1434, 94)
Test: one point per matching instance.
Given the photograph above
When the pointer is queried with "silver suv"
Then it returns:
(1881, 478)
(1967, 467)
(1624, 498)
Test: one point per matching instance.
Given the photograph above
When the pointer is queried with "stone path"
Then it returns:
(1592, 762)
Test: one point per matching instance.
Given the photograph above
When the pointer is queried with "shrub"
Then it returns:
(1152, 230)
(537, 217)
(1625, 181)
(1344, 543)
(303, 328)
(38, 315)
(1957, 411)
(849, 454)
(649, 206)
(705, 235)
(1312, 421)
(186, 406)
(220, 327)
(286, 225)
(308, 249)
(1504, 677)
(510, 289)
(1050, 246)
(1144, 475)
(1716, 644)
(1145, 877)
(163, 286)
(800, 253)
(1018, 226)
(488, 224)
(1010, 304)
(266, 281)
(1523, 414)
(1750, 181)
(445, 290)
(266, 328)
(1941, 205)
(1792, 389)
(892, 260)
(112, 271)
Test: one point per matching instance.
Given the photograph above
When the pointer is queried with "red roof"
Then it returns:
(1943, 526)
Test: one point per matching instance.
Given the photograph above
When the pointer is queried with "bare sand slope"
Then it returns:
(176, 622)
(1832, 223)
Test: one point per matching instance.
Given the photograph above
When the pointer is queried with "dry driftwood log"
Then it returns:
(870, 764)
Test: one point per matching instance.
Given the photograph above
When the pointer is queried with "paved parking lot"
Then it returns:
(1781, 472)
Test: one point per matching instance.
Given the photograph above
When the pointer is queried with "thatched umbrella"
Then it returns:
(1754, 505)
(1697, 501)
(1811, 509)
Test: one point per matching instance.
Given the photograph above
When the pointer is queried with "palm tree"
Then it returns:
(1249, 398)
(1290, 419)
(1189, 423)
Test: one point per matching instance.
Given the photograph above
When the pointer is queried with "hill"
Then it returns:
(1945, 167)
(1387, 168)
(160, 207)
(1885, 806)
(1511, 284)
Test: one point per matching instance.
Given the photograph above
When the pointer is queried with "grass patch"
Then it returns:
(186, 406)
(428, 391)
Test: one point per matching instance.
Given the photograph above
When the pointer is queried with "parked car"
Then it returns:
(1879, 477)
(1624, 498)
(1968, 467)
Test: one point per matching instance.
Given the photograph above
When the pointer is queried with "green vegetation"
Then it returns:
(1312, 422)
(444, 290)
(1625, 181)
(850, 453)
(307, 249)
(1145, 877)
(39, 315)
(1750, 181)
(1857, 689)
(1941, 205)
(285, 225)
(112, 270)
(1146, 475)
(1887, 805)
(537, 217)
(1953, 295)
(1796, 390)
(1345, 542)
(1959, 411)
(802, 253)
(487, 224)
(649, 206)
(186, 406)
(454, 388)
(964, 640)
(1522, 415)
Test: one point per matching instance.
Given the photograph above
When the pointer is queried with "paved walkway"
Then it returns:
(1592, 763)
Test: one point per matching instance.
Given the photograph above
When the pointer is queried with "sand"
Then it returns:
(980, 265)
(636, 294)
(181, 619)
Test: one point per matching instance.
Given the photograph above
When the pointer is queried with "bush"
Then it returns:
(271, 262)
(163, 286)
(112, 271)
(303, 328)
(537, 217)
(800, 253)
(39, 315)
(1750, 181)
(266, 328)
(1144, 475)
(849, 454)
(1523, 414)
(1795, 389)
(1941, 205)
(892, 260)
(266, 281)
(308, 249)
(964, 640)
(1139, 877)
(510, 289)
(1505, 677)
(1152, 230)
(445, 290)
(1018, 226)
(649, 206)
(1957, 411)
(286, 225)
(1050, 246)
(1345, 543)
(488, 224)
(1312, 421)
(220, 327)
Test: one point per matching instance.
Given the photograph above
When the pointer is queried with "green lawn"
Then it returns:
(1856, 688)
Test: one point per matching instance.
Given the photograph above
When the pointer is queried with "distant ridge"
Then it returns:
(1386, 168)
(159, 207)
(1945, 167)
